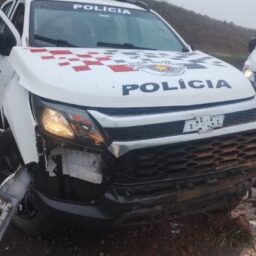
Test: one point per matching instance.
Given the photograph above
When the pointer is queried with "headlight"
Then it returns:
(249, 74)
(55, 123)
(67, 123)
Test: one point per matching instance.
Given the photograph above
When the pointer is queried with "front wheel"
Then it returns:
(30, 220)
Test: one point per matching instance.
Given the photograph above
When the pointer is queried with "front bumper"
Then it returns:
(147, 180)
(112, 210)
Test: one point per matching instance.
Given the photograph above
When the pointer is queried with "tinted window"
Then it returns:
(7, 39)
(6, 8)
(18, 18)
(86, 25)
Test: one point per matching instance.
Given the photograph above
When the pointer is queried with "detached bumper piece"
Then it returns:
(12, 191)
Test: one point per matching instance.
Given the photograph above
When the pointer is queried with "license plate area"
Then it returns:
(204, 124)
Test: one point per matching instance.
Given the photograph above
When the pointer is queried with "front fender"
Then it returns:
(17, 110)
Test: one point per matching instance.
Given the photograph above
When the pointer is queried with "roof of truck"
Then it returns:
(103, 2)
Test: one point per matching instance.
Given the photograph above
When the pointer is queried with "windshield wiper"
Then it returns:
(57, 42)
(123, 46)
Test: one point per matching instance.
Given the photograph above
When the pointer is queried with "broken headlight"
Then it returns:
(67, 123)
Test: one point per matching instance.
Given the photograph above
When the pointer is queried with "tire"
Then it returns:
(37, 226)
(32, 221)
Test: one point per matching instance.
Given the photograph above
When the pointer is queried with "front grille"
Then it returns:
(173, 128)
(188, 160)
(241, 117)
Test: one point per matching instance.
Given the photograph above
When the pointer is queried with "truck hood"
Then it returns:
(128, 78)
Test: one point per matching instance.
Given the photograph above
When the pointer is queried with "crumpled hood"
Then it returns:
(128, 78)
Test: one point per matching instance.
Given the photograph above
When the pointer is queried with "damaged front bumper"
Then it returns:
(150, 184)
(115, 210)
(144, 176)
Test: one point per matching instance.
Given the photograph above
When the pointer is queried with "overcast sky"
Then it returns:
(241, 12)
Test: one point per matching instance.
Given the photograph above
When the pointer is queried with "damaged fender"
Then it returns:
(16, 105)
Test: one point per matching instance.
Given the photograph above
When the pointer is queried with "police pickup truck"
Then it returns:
(109, 118)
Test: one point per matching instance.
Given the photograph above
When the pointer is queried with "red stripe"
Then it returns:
(60, 52)
(38, 50)
(92, 63)
(47, 57)
(81, 68)
(121, 68)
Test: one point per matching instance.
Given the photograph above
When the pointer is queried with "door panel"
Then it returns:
(9, 37)
(6, 27)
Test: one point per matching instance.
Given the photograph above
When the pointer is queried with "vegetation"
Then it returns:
(203, 32)
(220, 38)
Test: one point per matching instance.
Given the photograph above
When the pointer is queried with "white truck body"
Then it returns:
(120, 89)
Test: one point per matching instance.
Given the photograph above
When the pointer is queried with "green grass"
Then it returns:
(231, 231)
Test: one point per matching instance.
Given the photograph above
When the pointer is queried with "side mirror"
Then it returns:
(7, 42)
(9, 36)
(252, 44)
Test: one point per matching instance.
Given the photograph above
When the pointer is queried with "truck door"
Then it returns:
(9, 37)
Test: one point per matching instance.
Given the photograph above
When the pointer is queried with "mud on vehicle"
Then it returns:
(109, 118)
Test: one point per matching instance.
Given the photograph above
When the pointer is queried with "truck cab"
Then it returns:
(116, 119)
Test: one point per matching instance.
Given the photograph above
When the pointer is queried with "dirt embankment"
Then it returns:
(203, 32)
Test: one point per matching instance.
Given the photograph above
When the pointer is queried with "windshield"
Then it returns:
(55, 23)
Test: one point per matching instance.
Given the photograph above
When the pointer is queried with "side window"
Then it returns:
(18, 18)
(6, 8)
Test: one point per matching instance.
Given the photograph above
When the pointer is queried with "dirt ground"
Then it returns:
(211, 235)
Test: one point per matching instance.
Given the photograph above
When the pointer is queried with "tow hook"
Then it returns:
(12, 191)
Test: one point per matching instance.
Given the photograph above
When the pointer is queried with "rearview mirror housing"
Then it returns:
(7, 42)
